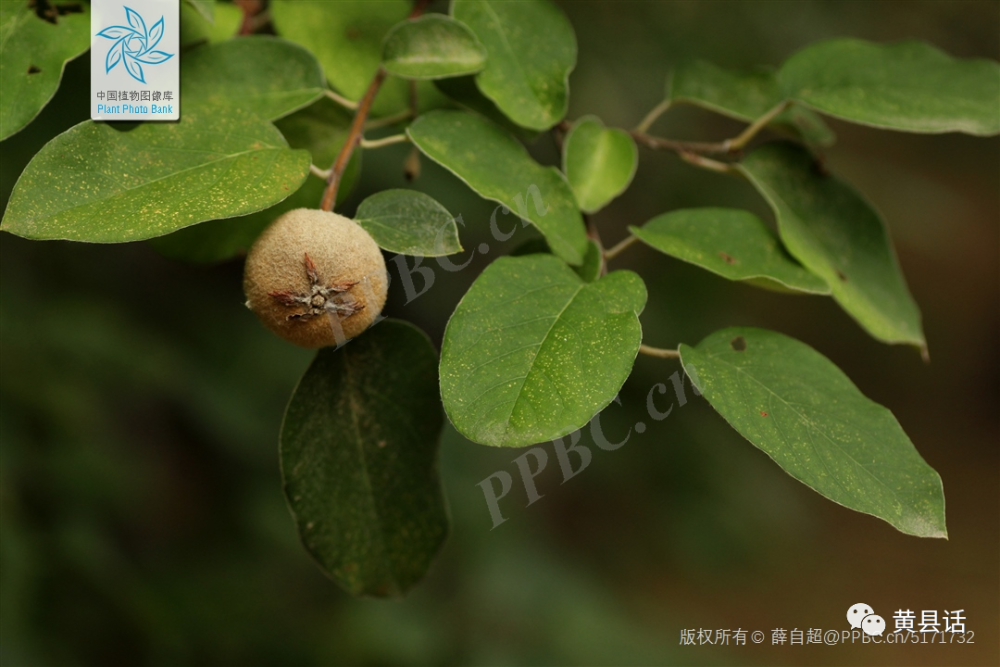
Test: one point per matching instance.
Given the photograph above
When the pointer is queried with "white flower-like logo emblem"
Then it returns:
(134, 45)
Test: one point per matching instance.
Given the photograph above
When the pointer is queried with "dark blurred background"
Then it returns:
(140, 501)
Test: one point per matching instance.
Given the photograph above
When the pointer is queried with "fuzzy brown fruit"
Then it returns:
(315, 278)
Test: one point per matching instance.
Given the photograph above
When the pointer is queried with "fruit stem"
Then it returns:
(353, 139)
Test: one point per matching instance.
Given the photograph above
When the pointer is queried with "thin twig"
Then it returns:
(386, 121)
(356, 134)
(384, 141)
(316, 171)
(728, 146)
(744, 137)
(611, 253)
(658, 143)
(707, 163)
(659, 352)
(353, 139)
(651, 117)
(341, 100)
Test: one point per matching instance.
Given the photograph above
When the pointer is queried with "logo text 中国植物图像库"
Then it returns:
(134, 63)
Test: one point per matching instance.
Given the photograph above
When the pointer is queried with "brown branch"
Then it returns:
(418, 8)
(356, 132)
(353, 139)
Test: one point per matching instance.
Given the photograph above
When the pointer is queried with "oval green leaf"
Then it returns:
(802, 411)
(533, 352)
(320, 128)
(599, 162)
(265, 75)
(829, 227)
(410, 223)
(346, 37)
(106, 183)
(734, 244)
(497, 167)
(359, 448)
(531, 51)
(33, 53)
(909, 86)
(745, 96)
(432, 47)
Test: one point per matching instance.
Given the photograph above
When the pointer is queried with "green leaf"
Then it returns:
(346, 37)
(802, 411)
(497, 167)
(111, 183)
(33, 52)
(463, 91)
(599, 162)
(205, 7)
(531, 51)
(432, 47)
(359, 447)
(321, 128)
(731, 243)
(265, 75)
(909, 86)
(532, 352)
(410, 223)
(745, 96)
(196, 29)
(836, 234)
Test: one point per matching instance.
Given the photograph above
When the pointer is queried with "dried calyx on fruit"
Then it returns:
(315, 278)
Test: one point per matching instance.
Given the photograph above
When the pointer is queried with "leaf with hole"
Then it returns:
(410, 223)
(33, 53)
(599, 162)
(105, 183)
(745, 96)
(533, 352)
(432, 47)
(359, 448)
(265, 75)
(802, 411)
(497, 167)
(734, 244)
(531, 49)
(910, 86)
(835, 233)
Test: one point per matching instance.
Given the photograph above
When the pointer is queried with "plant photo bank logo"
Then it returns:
(134, 45)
